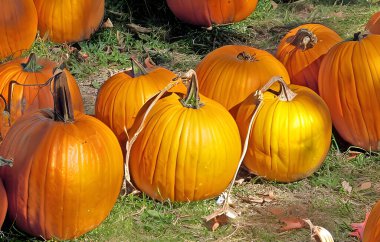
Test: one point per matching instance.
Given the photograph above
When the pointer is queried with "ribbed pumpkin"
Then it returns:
(291, 134)
(349, 82)
(67, 170)
(18, 26)
(232, 72)
(69, 20)
(188, 150)
(208, 12)
(121, 97)
(372, 227)
(3, 204)
(32, 71)
(373, 24)
(302, 50)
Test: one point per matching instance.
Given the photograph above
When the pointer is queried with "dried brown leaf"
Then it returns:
(274, 4)
(138, 29)
(365, 186)
(107, 24)
(346, 186)
(292, 223)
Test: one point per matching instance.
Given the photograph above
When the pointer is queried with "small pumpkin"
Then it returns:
(301, 51)
(78, 160)
(373, 24)
(349, 82)
(3, 204)
(18, 27)
(372, 227)
(188, 150)
(232, 72)
(31, 72)
(291, 134)
(208, 12)
(69, 20)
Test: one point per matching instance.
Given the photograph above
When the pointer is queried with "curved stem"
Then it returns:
(31, 64)
(63, 107)
(137, 68)
(286, 94)
(304, 39)
(192, 99)
(246, 56)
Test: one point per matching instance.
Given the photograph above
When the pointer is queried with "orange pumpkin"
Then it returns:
(302, 50)
(372, 227)
(373, 24)
(349, 82)
(230, 73)
(67, 171)
(208, 12)
(3, 204)
(188, 150)
(69, 20)
(291, 134)
(18, 26)
(32, 71)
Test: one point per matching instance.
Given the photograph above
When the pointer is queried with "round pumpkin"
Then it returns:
(18, 26)
(3, 204)
(32, 72)
(291, 134)
(121, 96)
(349, 82)
(208, 12)
(372, 227)
(69, 20)
(373, 24)
(188, 150)
(67, 170)
(301, 51)
(230, 73)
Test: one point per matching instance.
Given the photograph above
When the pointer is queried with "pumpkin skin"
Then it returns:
(18, 27)
(184, 153)
(69, 20)
(35, 97)
(289, 139)
(208, 12)
(349, 82)
(80, 164)
(3, 204)
(232, 72)
(303, 60)
(373, 24)
(372, 227)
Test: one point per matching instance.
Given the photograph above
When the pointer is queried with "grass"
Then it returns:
(179, 47)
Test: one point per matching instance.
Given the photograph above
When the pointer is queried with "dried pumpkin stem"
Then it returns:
(304, 39)
(137, 68)
(63, 107)
(286, 94)
(192, 99)
(246, 56)
(31, 64)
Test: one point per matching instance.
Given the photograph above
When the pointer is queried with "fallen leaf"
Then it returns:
(292, 223)
(346, 186)
(107, 24)
(240, 181)
(138, 29)
(277, 211)
(365, 186)
(274, 4)
(358, 228)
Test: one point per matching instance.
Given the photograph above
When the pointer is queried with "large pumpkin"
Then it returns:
(18, 26)
(34, 72)
(291, 134)
(188, 150)
(208, 12)
(121, 97)
(69, 20)
(372, 227)
(230, 73)
(373, 24)
(67, 170)
(349, 82)
(302, 50)
(3, 204)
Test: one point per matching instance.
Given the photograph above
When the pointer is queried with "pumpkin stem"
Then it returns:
(31, 64)
(304, 39)
(192, 99)
(6, 162)
(360, 35)
(137, 68)
(286, 94)
(244, 56)
(63, 107)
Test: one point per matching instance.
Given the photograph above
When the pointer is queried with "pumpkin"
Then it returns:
(121, 96)
(208, 12)
(232, 72)
(18, 27)
(291, 134)
(3, 204)
(69, 20)
(373, 24)
(349, 82)
(67, 170)
(372, 227)
(32, 72)
(188, 150)
(301, 51)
